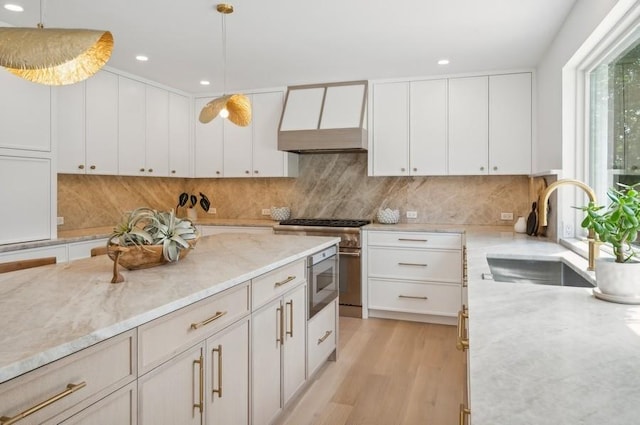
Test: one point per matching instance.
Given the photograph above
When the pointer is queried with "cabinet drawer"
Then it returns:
(321, 337)
(422, 298)
(434, 265)
(416, 239)
(102, 368)
(275, 283)
(165, 337)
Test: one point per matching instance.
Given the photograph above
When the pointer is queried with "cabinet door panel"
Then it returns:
(268, 161)
(228, 375)
(428, 138)
(25, 114)
(179, 146)
(390, 129)
(294, 353)
(303, 109)
(168, 394)
(70, 128)
(237, 150)
(265, 362)
(510, 124)
(209, 145)
(157, 125)
(26, 212)
(131, 127)
(102, 123)
(468, 126)
(343, 106)
(117, 408)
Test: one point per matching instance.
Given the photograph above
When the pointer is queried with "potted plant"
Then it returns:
(147, 238)
(185, 198)
(618, 278)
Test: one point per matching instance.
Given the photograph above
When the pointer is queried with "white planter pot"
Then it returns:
(617, 282)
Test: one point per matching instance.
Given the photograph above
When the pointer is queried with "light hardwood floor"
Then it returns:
(388, 373)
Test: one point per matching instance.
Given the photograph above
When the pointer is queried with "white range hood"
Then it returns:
(328, 117)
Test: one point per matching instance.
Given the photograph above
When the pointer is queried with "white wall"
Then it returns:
(582, 20)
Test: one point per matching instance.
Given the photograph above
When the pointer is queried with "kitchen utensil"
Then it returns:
(532, 220)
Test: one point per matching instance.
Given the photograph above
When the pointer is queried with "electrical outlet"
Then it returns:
(412, 214)
(60, 221)
(266, 211)
(212, 211)
(567, 230)
(506, 216)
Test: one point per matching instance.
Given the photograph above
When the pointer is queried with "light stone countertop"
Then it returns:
(53, 311)
(544, 354)
(429, 227)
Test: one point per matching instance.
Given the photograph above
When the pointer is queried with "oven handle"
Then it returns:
(349, 254)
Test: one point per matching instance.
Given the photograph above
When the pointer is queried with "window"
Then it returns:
(614, 119)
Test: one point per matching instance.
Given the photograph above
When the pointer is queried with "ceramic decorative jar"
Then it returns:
(280, 213)
(520, 225)
(388, 216)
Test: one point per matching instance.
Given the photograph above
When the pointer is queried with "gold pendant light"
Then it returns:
(236, 107)
(54, 56)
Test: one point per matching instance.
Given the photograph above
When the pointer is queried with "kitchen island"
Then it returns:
(53, 311)
(547, 354)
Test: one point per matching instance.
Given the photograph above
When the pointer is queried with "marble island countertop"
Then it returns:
(53, 311)
(547, 354)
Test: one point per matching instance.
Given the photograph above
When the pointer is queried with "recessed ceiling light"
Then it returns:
(14, 7)
(142, 58)
(204, 83)
(443, 62)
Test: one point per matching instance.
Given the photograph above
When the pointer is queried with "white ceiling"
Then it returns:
(285, 42)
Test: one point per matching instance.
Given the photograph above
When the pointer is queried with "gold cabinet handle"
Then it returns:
(280, 336)
(412, 264)
(412, 240)
(413, 297)
(142, 170)
(71, 388)
(465, 273)
(326, 335)
(213, 318)
(173, 171)
(219, 389)
(81, 167)
(462, 343)
(290, 304)
(284, 282)
(464, 414)
(200, 404)
(93, 167)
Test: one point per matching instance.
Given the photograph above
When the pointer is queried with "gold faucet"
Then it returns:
(542, 214)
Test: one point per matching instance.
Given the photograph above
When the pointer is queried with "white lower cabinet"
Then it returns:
(278, 354)
(414, 275)
(227, 380)
(322, 337)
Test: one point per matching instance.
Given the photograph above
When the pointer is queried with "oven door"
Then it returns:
(323, 284)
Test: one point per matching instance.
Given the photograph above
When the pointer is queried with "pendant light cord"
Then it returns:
(41, 23)
(224, 56)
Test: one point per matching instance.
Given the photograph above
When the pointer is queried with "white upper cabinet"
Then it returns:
(510, 124)
(390, 129)
(25, 114)
(468, 125)
(179, 146)
(157, 131)
(131, 128)
(303, 109)
(237, 148)
(102, 124)
(70, 112)
(428, 128)
(342, 106)
(268, 161)
(208, 145)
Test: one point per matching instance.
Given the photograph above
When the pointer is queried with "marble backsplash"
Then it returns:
(329, 185)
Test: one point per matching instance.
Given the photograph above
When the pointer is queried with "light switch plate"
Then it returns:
(506, 216)
(266, 211)
(60, 221)
(412, 214)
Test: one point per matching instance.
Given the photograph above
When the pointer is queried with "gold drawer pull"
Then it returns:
(462, 343)
(200, 405)
(71, 388)
(284, 282)
(412, 264)
(219, 389)
(213, 318)
(412, 240)
(412, 297)
(464, 414)
(326, 335)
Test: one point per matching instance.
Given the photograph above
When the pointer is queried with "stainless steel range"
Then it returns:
(349, 254)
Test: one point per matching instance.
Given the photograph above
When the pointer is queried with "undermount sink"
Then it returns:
(543, 272)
